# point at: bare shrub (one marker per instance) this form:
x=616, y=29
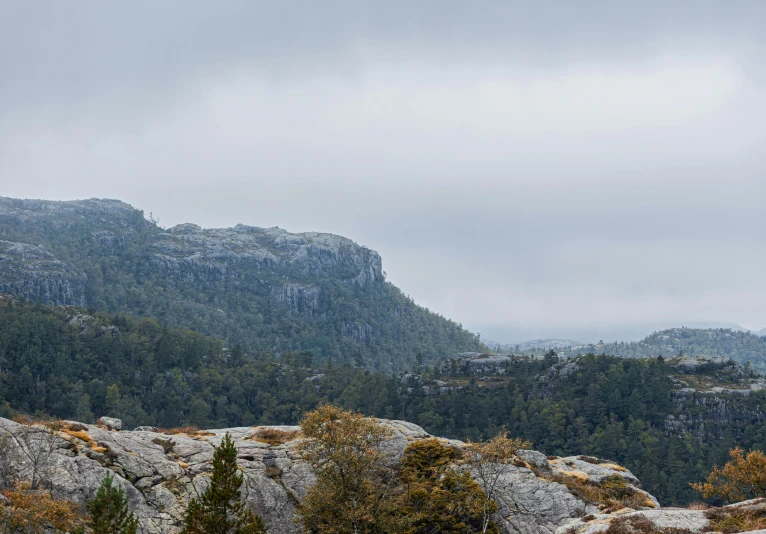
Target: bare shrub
x=489, y=462
x=36, y=444
x=9, y=460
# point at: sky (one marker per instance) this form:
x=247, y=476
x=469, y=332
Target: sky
x=588, y=170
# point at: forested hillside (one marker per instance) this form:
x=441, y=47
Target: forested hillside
x=666, y=421
x=712, y=342
x=265, y=289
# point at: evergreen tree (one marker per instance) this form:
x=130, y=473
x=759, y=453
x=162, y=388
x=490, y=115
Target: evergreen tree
x=220, y=509
x=109, y=512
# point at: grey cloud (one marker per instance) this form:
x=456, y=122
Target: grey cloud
x=75, y=50
x=526, y=168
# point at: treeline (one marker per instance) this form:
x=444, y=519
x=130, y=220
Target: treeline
x=55, y=362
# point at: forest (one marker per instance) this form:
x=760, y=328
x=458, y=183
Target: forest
x=738, y=345
x=62, y=363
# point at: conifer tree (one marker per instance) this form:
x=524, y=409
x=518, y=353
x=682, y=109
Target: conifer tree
x=109, y=512
x=220, y=509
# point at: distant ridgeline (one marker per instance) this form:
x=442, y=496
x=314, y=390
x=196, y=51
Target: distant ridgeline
x=267, y=290
x=711, y=343
x=668, y=420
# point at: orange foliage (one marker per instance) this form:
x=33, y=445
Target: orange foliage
x=31, y=511
x=744, y=477
x=80, y=434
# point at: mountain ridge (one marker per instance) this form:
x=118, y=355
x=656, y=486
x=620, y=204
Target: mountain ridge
x=266, y=289
x=739, y=345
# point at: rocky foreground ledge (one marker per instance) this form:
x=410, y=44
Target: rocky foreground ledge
x=161, y=471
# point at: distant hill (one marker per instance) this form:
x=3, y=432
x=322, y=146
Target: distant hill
x=535, y=344
x=740, y=346
x=263, y=288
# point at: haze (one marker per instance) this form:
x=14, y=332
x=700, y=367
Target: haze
x=530, y=169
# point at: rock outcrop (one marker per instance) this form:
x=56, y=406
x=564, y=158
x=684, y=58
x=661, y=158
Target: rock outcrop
x=299, y=298
x=160, y=472
x=32, y=272
x=191, y=253
x=477, y=363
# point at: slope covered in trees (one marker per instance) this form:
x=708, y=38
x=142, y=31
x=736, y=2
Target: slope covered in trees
x=711, y=342
x=58, y=362
x=265, y=289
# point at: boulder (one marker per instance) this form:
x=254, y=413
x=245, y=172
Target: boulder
x=110, y=423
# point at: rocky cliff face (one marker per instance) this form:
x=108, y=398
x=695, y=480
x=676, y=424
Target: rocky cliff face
x=34, y=273
x=709, y=415
x=160, y=472
x=190, y=252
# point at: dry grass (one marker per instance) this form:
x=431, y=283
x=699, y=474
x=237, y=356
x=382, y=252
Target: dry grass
x=274, y=436
x=185, y=430
x=602, y=463
x=614, y=467
x=738, y=518
x=50, y=424
x=698, y=506
x=81, y=435
x=108, y=452
x=612, y=494
x=638, y=524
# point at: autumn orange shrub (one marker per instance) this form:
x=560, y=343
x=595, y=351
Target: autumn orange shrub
x=743, y=477
x=33, y=511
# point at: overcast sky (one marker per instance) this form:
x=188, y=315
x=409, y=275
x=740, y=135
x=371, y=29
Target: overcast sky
x=530, y=169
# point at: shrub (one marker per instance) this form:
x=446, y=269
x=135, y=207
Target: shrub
x=350, y=492
x=437, y=496
x=220, y=509
x=32, y=511
x=738, y=518
x=744, y=477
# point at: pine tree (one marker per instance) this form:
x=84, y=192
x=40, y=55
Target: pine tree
x=109, y=512
x=220, y=510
